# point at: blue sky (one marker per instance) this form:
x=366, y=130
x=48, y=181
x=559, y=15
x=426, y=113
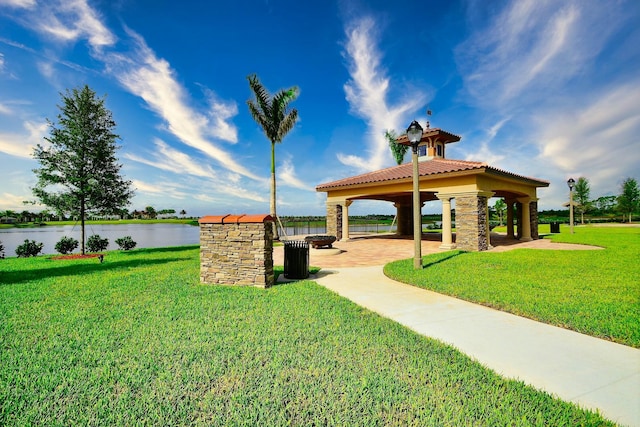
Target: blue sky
x=548, y=89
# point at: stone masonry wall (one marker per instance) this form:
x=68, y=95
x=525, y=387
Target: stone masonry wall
x=334, y=220
x=533, y=216
x=471, y=223
x=237, y=250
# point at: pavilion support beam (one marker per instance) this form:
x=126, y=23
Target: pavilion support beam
x=345, y=219
x=526, y=219
x=447, y=237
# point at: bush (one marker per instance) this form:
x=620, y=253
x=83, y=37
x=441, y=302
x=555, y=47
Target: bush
x=96, y=244
x=29, y=248
x=126, y=243
x=66, y=245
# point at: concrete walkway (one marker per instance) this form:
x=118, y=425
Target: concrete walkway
x=591, y=372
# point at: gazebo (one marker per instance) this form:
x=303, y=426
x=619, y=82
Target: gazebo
x=470, y=184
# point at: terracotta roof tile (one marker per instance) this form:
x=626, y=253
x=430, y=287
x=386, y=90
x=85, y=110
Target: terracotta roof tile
x=426, y=168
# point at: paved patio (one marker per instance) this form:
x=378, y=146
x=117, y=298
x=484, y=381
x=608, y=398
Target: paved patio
x=379, y=249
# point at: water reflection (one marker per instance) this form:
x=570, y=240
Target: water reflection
x=145, y=235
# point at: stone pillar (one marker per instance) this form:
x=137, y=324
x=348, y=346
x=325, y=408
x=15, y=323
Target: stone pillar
x=526, y=219
x=533, y=215
x=471, y=221
x=510, y=232
x=345, y=219
x=447, y=240
x=405, y=218
x=237, y=250
x=334, y=220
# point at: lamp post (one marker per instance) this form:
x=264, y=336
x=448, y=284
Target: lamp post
x=414, y=134
x=571, y=183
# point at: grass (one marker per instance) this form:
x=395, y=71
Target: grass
x=594, y=292
x=138, y=341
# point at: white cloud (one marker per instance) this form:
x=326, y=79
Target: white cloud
x=367, y=93
x=530, y=49
x=287, y=176
x=153, y=80
x=66, y=20
x=14, y=202
x=599, y=139
x=167, y=158
x=21, y=145
x=23, y=4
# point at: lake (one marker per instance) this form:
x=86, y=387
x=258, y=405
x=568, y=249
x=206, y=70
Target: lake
x=145, y=235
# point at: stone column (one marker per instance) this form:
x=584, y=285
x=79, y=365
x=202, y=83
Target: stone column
x=447, y=240
x=471, y=221
x=533, y=214
x=526, y=219
x=334, y=220
x=345, y=219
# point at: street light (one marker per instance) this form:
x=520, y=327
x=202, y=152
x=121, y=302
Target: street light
x=414, y=134
x=571, y=183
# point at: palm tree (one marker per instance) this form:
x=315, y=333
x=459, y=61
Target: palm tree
x=398, y=150
x=272, y=113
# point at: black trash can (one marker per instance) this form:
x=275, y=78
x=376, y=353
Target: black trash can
x=555, y=227
x=296, y=259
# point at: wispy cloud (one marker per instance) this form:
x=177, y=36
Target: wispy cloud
x=287, y=176
x=13, y=202
x=151, y=78
x=367, y=92
x=23, y=4
x=65, y=21
x=596, y=140
x=21, y=145
x=169, y=159
x=530, y=48
x=537, y=68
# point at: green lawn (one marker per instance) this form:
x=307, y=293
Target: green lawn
x=138, y=341
x=593, y=292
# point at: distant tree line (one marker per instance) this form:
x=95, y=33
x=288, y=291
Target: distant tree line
x=149, y=212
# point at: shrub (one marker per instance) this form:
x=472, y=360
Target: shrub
x=126, y=243
x=29, y=248
x=66, y=245
x=96, y=244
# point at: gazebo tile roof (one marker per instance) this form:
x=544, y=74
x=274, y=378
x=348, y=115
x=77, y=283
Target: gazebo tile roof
x=426, y=168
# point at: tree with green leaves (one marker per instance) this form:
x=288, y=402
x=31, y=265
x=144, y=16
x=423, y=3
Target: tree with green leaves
x=397, y=150
x=500, y=206
x=79, y=173
x=581, y=197
x=276, y=119
x=629, y=198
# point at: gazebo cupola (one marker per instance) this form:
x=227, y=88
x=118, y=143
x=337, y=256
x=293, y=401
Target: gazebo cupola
x=432, y=144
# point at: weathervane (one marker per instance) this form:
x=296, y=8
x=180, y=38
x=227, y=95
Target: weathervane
x=428, y=115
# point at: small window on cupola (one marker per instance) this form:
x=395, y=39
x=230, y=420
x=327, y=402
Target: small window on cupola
x=439, y=150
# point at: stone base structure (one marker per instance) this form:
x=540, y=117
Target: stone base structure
x=472, y=223
x=237, y=250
